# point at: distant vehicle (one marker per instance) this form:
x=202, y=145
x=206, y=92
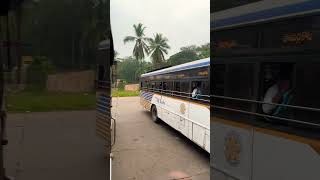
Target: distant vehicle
x=265, y=106
x=179, y=96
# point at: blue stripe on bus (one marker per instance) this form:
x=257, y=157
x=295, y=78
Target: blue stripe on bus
x=192, y=66
x=147, y=95
x=269, y=13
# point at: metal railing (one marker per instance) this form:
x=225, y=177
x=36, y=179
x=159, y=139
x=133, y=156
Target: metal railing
x=205, y=98
x=266, y=115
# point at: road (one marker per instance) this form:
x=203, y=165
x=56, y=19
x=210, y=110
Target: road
x=55, y=145
x=145, y=150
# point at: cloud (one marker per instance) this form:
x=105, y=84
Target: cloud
x=183, y=22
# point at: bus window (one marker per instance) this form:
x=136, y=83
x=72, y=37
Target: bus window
x=177, y=86
x=164, y=86
x=184, y=88
x=153, y=85
x=240, y=84
x=277, y=88
x=158, y=86
x=196, y=90
x=218, y=85
x=205, y=87
x=168, y=87
x=307, y=92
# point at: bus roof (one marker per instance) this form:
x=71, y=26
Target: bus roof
x=181, y=67
x=262, y=11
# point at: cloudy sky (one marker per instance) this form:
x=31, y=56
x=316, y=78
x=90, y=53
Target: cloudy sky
x=183, y=22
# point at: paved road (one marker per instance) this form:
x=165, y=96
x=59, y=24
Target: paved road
x=148, y=151
x=55, y=146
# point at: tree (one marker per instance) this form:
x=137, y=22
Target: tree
x=158, y=47
x=204, y=51
x=140, y=48
x=190, y=53
x=130, y=70
x=67, y=32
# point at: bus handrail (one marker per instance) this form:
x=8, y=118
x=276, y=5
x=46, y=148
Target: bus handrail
x=268, y=116
x=204, y=95
x=270, y=103
x=177, y=95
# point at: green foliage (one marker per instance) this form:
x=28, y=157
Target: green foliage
x=190, y=53
x=121, y=85
x=122, y=93
x=204, y=51
x=184, y=56
x=38, y=71
x=67, y=32
x=130, y=69
x=140, y=48
x=158, y=47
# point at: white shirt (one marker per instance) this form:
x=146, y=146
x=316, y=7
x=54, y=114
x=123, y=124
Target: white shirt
x=270, y=94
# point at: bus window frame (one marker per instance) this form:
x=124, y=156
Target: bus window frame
x=301, y=130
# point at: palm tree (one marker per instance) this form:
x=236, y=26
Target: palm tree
x=158, y=47
x=140, y=48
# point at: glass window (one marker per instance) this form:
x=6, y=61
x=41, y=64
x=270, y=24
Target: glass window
x=200, y=89
x=218, y=83
x=240, y=84
x=168, y=86
x=307, y=92
x=177, y=86
x=277, y=87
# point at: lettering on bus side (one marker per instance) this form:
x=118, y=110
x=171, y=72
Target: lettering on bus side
x=297, y=38
x=160, y=101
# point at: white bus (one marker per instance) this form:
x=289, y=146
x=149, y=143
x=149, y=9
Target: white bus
x=179, y=96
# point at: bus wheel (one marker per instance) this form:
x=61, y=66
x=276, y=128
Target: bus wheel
x=154, y=114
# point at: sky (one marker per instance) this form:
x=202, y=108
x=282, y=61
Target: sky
x=183, y=22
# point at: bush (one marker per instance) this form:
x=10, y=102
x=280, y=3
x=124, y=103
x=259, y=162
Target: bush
x=38, y=71
x=121, y=85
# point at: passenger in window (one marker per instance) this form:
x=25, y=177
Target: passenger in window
x=196, y=92
x=278, y=93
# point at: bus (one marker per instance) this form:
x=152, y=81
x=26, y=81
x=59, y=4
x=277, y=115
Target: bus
x=179, y=96
x=265, y=91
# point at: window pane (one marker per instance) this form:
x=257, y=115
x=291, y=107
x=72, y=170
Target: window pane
x=240, y=84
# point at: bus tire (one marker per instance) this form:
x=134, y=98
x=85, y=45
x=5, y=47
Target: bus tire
x=154, y=114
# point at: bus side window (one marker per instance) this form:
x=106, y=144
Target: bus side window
x=153, y=86
x=307, y=92
x=240, y=84
x=277, y=88
x=164, y=86
x=167, y=87
x=184, y=88
x=217, y=78
x=176, y=88
x=158, y=86
x=205, y=89
x=196, y=89
x=170, y=86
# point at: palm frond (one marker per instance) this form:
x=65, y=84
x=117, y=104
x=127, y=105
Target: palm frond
x=129, y=39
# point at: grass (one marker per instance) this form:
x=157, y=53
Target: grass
x=33, y=101
x=42, y=101
x=122, y=93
